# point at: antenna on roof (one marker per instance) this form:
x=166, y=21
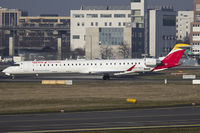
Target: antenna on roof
x=81, y=4
x=107, y=5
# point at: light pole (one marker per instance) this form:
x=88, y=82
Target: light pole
x=91, y=47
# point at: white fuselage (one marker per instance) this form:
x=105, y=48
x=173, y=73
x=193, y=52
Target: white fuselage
x=80, y=66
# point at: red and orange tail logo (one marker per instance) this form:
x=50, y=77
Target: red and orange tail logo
x=173, y=58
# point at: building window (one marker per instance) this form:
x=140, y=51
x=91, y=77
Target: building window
x=197, y=7
x=96, y=23
x=92, y=15
x=83, y=24
x=22, y=20
x=124, y=24
x=106, y=15
x=50, y=20
x=169, y=20
x=78, y=15
x=138, y=19
x=35, y=20
x=64, y=20
x=110, y=24
x=92, y=24
x=119, y=15
x=76, y=37
x=119, y=24
x=111, y=36
x=136, y=12
x=105, y=23
x=78, y=24
x=197, y=17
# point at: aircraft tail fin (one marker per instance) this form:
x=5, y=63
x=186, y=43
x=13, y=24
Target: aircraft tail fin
x=173, y=58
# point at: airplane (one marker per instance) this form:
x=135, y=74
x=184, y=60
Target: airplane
x=106, y=68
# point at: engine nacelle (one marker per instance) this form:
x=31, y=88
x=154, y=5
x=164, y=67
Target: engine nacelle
x=152, y=62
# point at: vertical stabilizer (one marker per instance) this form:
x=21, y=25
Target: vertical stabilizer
x=173, y=58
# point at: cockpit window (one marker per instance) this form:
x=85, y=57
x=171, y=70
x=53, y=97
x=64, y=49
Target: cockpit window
x=15, y=65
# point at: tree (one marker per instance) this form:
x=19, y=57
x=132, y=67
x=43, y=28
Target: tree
x=106, y=52
x=78, y=53
x=124, y=50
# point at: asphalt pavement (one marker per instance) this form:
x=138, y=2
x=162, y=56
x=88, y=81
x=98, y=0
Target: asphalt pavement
x=102, y=120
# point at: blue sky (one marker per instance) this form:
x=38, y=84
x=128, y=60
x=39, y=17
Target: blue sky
x=62, y=7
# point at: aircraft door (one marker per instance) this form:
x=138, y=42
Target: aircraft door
x=25, y=67
x=21, y=66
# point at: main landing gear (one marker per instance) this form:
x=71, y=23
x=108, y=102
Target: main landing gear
x=12, y=77
x=106, y=77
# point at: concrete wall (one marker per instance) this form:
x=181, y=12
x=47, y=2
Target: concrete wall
x=94, y=50
x=85, y=22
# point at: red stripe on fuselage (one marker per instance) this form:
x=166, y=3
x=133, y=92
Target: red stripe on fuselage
x=130, y=69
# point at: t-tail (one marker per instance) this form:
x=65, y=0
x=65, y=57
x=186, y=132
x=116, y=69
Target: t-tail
x=173, y=58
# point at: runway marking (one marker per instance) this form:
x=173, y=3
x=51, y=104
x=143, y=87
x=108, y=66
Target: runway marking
x=114, y=128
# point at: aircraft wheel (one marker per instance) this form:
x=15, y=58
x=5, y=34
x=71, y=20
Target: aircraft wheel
x=106, y=77
x=12, y=77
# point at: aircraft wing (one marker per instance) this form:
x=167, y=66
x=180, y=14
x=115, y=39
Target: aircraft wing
x=117, y=73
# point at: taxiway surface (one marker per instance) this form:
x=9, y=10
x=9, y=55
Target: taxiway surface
x=102, y=120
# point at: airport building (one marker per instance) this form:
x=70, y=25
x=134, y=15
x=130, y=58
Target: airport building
x=183, y=20
x=195, y=30
x=46, y=36
x=98, y=17
x=141, y=10
x=9, y=17
x=136, y=18
x=42, y=34
x=162, y=31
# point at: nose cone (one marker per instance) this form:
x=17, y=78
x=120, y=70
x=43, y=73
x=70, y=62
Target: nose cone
x=6, y=71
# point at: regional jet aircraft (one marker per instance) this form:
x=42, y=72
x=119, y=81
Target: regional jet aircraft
x=106, y=68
